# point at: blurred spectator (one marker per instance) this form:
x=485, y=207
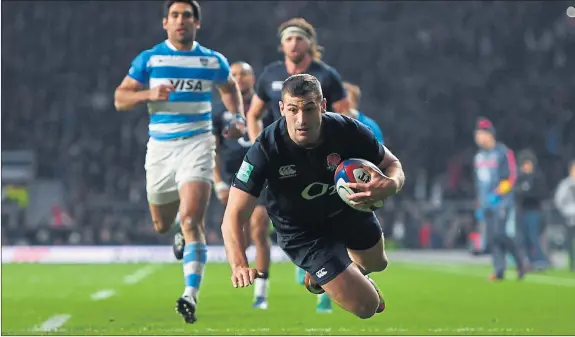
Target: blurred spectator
x=565, y=202
x=531, y=191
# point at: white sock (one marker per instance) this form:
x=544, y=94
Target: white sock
x=190, y=293
x=261, y=287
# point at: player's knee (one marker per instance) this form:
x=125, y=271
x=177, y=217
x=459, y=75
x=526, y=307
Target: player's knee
x=366, y=309
x=380, y=264
x=192, y=224
x=374, y=265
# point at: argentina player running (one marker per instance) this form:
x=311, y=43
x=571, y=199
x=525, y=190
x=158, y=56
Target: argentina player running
x=335, y=244
x=179, y=164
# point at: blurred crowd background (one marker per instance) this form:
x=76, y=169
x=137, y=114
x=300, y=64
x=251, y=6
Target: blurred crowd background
x=72, y=167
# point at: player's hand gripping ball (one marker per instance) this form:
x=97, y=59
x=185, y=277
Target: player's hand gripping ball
x=355, y=171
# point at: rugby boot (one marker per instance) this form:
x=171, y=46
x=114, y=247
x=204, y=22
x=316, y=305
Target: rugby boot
x=186, y=306
x=260, y=303
x=496, y=277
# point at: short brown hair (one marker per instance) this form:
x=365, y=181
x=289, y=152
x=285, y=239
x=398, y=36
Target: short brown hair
x=301, y=23
x=352, y=90
x=302, y=84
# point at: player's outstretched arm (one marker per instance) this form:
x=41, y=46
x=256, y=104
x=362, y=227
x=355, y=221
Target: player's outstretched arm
x=254, y=118
x=128, y=94
x=238, y=210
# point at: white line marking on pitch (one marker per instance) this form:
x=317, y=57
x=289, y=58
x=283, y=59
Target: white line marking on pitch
x=53, y=323
x=531, y=278
x=139, y=274
x=102, y=294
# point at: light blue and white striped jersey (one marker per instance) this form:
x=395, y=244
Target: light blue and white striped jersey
x=188, y=112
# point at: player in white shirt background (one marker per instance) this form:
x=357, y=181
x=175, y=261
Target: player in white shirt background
x=180, y=74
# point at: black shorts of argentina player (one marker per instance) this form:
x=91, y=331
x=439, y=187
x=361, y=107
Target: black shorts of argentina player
x=297, y=155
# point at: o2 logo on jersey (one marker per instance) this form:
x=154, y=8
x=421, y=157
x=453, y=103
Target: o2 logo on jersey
x=316, y=190
x=190, y=85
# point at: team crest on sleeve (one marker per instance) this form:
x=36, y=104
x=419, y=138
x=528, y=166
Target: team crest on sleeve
x=245, y=172
x=333, y=160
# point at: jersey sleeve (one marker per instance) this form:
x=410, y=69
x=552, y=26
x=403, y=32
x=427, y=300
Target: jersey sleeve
x=261, y=85
x=139, y=69
x=251, y=176
x=334, y=91
x=223, y=73
x=364, y=143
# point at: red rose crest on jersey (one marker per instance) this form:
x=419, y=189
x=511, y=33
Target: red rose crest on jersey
x=332, y=161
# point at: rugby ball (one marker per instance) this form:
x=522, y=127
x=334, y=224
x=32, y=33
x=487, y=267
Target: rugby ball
x=353, y=171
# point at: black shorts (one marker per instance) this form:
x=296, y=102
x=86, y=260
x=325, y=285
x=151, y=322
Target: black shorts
x=321, y=250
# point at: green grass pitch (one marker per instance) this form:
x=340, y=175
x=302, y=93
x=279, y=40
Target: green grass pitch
x=421, y=299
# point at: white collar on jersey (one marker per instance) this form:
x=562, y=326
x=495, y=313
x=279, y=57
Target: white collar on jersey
x=171, y=46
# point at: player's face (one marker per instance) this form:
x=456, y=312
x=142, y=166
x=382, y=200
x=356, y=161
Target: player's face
x=303, y=117
x=572, y=171
x=244, y=77
x=180, y=24
x=527, y=166
x=295, y=48
x=483, y=138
